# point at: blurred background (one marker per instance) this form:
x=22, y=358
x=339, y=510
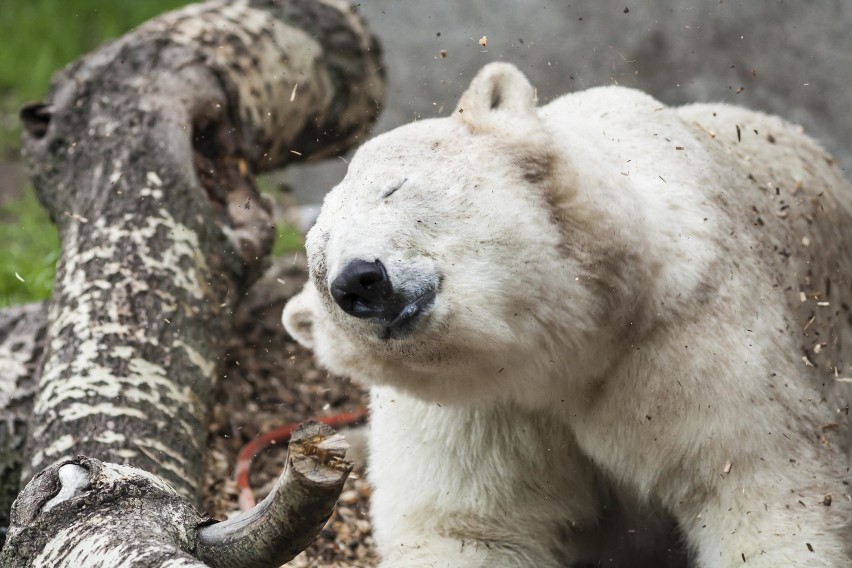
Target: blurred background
x=786, y=57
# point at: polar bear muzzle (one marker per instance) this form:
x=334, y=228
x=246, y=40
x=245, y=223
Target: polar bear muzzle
x=364, y=290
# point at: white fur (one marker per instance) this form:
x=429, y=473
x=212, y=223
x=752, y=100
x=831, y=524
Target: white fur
x=618, y=339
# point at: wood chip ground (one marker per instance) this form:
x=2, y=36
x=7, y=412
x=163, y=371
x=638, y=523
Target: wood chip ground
x=270, y=381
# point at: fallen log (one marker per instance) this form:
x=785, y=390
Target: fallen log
x=144, y=153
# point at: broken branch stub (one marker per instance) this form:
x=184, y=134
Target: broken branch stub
x=144, y=153
x=294, y=512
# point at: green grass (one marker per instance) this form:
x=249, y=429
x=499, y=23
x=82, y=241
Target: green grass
x=287, y=240
x=38, y=37
x=30, y=249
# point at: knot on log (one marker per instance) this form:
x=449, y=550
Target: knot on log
x=82, y=505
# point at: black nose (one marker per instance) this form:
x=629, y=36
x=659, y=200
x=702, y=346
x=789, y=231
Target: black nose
x=363, y=289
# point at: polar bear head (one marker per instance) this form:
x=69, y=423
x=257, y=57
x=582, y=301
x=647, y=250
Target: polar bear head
x=458, y=259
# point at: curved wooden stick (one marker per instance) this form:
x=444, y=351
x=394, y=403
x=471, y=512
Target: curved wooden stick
x=294, y=512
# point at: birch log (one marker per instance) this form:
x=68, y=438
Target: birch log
x=144, y=154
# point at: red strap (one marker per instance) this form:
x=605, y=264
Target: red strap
x=279, y=435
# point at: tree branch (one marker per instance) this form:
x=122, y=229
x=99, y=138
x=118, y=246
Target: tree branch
x=144, y=154
x=292, y=515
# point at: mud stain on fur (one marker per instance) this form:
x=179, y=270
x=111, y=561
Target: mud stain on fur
x=536, y=168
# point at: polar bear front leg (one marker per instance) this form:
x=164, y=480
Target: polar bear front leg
x=470, y=487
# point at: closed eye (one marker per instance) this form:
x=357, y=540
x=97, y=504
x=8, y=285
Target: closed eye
x=392, y=189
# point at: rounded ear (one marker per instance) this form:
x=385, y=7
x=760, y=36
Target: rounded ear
x=498, y=89
x=298, y=316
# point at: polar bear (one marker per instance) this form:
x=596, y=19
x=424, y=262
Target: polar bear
x=601, y=332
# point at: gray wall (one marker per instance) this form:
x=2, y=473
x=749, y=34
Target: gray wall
x=791, y=57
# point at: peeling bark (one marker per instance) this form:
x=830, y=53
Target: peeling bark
x=144, y=154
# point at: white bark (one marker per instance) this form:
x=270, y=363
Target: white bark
x=144, y=153
x=84, y=513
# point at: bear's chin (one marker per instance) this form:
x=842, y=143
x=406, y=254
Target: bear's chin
x=418, y=368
